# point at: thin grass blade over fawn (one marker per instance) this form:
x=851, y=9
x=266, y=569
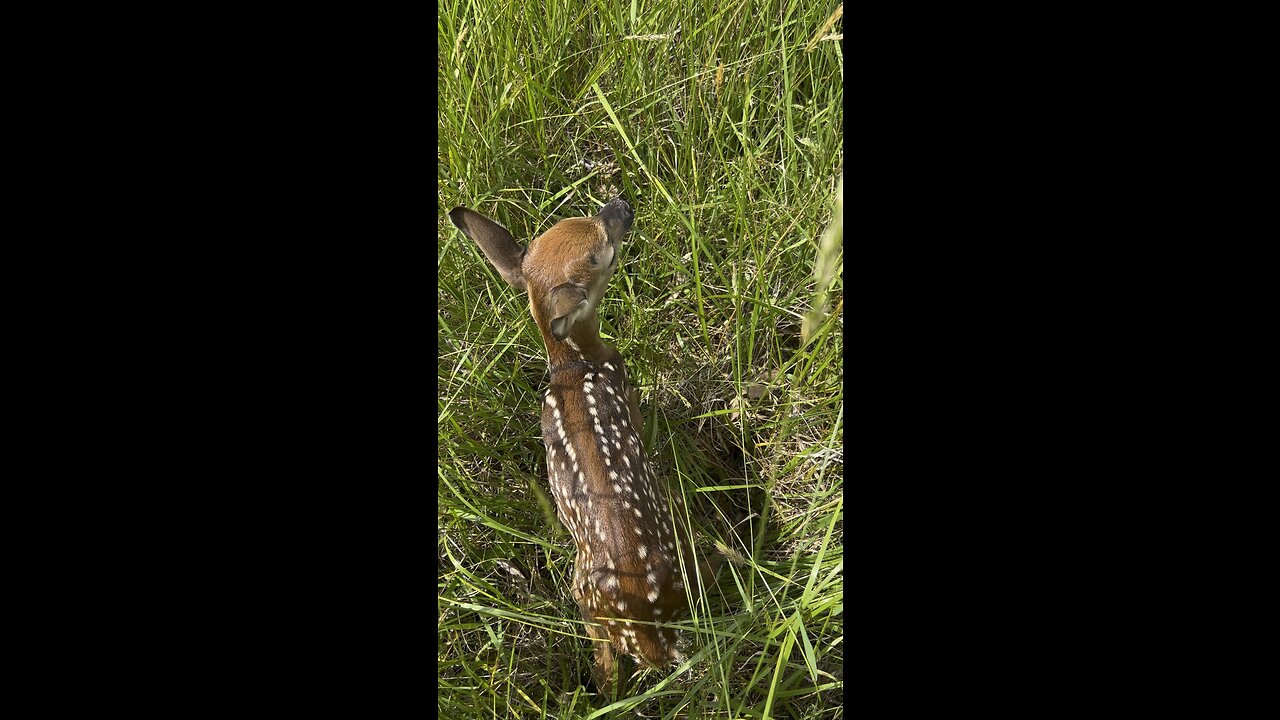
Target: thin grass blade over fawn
x=628, y=577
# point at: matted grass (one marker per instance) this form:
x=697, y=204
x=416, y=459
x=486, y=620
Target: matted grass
x=721, y=125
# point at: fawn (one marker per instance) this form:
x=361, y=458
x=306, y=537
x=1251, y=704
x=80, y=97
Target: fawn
x=630, y=543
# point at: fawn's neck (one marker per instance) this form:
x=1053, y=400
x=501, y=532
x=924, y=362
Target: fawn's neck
x=582, y=346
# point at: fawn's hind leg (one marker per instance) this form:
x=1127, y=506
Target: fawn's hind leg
x=603, y=667
x=633, y=404
x=709, y=566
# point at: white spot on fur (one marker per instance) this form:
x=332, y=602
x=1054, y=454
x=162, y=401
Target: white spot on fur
x=652, y=596
x=642, y=550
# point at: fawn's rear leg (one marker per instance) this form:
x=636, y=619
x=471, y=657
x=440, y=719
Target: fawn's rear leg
x=710, y=565
x=602, y=670
x=633, y=404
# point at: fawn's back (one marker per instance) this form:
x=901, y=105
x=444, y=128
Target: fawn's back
x=616, y=510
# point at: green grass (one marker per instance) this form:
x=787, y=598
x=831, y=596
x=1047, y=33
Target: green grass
x=724, y=133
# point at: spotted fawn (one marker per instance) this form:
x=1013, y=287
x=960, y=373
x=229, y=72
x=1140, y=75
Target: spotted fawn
x=629, y=576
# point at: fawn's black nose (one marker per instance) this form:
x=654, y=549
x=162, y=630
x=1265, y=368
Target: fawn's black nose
x=617, y=209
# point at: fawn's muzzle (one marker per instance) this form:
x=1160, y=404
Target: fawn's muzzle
x=617, y=211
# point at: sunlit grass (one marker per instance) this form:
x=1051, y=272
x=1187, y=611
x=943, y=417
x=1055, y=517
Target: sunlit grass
x=725, y=135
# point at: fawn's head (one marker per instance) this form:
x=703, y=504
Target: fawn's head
x=565, y=270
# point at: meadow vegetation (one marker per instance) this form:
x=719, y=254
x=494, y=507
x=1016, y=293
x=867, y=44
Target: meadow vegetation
x=721, y=124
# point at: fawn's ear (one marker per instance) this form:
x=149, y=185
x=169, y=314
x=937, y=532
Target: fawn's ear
x=503, y=251
x=568, y=303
